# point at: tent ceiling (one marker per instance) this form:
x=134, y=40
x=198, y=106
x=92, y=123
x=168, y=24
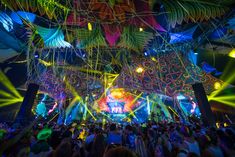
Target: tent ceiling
x=160, y=22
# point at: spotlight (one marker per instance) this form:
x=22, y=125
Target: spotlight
x=141, y=29
x=36, y=55
x=153, y=59
x=139, y=70
x=180, y=97
x=145, y=53
x=196, y=53
x=89, y=26
x=217, y=85
x=232, y=53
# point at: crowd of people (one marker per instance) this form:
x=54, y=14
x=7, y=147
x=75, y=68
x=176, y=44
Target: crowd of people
x=117, y=140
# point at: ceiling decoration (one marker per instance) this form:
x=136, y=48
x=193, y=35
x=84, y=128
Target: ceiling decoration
x=194, y=10
x=48, y=8
x=22, y=15
x=6, y=21
x=106, y=34
x=133, y=39
x=170, y=74
x=89, y=39
x=70, y=83
x=53, y=37
x=184, y=36
x=110, y=23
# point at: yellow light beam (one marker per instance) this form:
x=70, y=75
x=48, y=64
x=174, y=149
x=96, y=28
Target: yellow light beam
x=230, y=79
x=5, y=94
x=173, y=111
x=10, y=100
x=90, y=71
x=73, y=91
x=90, y=113
x=9, y=103
x=152, y=101
x=226, y=102
x=224, y=98
x=110, y=85
x=133, y=112
x=137, y=109
x=45, y=62
x=6, y=82
x=227, y=70
x=133, y=101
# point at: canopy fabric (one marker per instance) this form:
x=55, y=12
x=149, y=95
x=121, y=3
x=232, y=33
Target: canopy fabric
x=169, y=74
x=19, y=15
x=7, y=54
x=184, y=36
x=53, y=37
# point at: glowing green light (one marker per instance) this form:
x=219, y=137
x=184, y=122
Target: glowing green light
x=232, y=53
x=2, y=132
x=44, y=134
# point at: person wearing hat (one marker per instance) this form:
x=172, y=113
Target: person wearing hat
x=42, y=148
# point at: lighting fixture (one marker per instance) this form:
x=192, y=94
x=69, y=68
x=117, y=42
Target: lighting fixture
x=139, y=70
x=89, y=26
x=232, y=53
x=217, y=85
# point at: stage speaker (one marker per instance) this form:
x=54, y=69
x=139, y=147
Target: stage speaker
x=25, y=112
x=204, y=106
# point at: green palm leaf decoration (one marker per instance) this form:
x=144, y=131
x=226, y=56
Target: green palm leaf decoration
x=134, y=39
x=194, y=10
x=89, y=39
x=50, y=8
x=122, y=57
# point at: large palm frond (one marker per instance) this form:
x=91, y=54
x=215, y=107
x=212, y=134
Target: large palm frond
x=50, y=8
x=194, y=10
x=89, y=39
x=134, y=39
x=52, y=37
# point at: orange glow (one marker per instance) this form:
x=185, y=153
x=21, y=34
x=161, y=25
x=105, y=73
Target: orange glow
x=117, y=93
x=120, y=96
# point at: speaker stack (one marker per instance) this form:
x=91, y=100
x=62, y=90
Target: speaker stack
x=204, y=106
